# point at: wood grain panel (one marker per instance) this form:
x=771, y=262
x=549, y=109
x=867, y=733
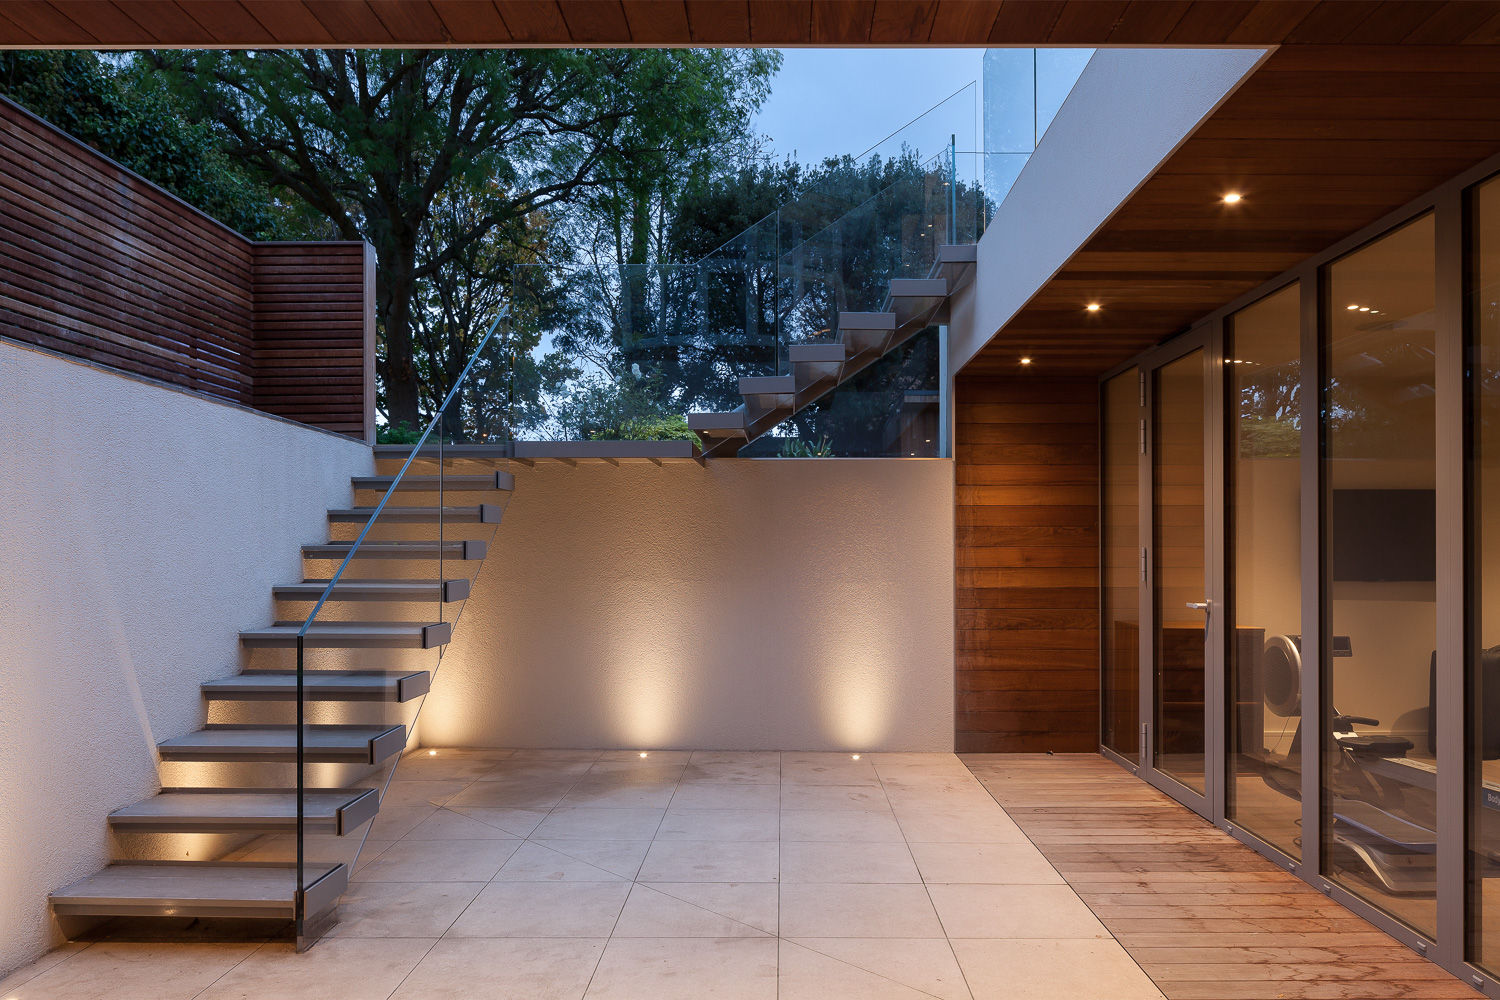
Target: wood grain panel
x=98, y=264
x=1026, y=564
x=748, y=22
x=1202, y=914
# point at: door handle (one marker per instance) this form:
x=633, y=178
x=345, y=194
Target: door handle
x=1196, y=606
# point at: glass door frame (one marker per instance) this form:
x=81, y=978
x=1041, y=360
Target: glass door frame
x=1448, y=201
x=1207, y=339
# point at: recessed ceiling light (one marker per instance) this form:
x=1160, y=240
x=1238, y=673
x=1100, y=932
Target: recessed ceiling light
x=1025, y=361
x=1364, y=309
x=1352, y=308
x=432, y=753
x=643, y=753
x=1092, y=307
x=1232, y=198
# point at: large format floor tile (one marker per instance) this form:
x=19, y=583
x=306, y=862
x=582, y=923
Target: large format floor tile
x=686, y=969
x=560, y=875
x=533, y=968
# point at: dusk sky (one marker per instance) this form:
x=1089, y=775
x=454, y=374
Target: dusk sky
x=826, y=102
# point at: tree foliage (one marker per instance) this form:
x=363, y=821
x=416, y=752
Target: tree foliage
x=444, y=160
x=127, y=115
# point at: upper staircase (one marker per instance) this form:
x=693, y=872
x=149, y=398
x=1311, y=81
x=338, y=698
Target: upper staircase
x=220, y=837
x=819, y=367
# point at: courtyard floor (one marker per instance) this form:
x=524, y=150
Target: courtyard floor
x=534, y=875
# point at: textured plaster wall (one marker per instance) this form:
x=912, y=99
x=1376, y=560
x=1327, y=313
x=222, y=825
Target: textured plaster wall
x=140, y=529
x=748, y=604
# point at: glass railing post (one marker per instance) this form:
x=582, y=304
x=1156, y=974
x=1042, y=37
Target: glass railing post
x=299, y=909
x=952, y=189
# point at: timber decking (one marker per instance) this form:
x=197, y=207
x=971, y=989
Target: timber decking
x=1206, y=917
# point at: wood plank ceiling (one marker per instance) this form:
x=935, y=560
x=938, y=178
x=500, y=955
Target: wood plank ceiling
x=242, y=23
x=1321, y=141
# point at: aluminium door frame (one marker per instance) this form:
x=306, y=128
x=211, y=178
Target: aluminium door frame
x=1448, y=202
x=1208, y=339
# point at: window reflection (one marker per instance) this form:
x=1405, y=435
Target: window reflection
x=1379, y=768
x=1263, y=373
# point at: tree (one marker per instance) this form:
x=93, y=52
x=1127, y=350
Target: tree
x=374, y=141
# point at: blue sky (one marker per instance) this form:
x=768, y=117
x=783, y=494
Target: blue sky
x=826, y=102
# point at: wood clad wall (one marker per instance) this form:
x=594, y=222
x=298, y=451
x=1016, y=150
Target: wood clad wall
x=99, y=264
x=1027, y=537
x=315, y=334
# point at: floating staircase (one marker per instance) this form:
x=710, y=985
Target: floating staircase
x=368, y=659
x=818, y=368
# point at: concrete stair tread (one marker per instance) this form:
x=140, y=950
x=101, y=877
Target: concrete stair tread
x=461, y=482
x=350, y=634
x=374, y=590
x=321, y=685
x=210, y=810
x=818, y=353
x=199, y=889
x=485, y=513
x=455, y=451
x=325, y=744
x=465, y=549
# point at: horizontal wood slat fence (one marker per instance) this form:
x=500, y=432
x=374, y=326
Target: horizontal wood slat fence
x=99, y=264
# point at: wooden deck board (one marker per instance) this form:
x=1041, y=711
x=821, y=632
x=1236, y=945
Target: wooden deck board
x=1206, y=917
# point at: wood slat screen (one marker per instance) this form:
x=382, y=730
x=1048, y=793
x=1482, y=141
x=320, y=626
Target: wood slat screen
x=1027, y=573
x=98, y=263
x=314, y=334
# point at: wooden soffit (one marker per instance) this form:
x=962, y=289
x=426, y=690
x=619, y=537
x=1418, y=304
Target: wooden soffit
x=268, y=23
x=1321, y=142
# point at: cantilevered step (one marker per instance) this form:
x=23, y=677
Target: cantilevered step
x=496, y=480
x=815, y=363
x=916, y=301
x=955, y=264
x=321, y=744
x=768, y=392
x=198, y=889
x=866, y=332
x=387, y=452
x=467, y=549
x=719, y=426
x=374, y=590
x=335, y=811
x=351, y=635
x=321, y=685
x=485, y=513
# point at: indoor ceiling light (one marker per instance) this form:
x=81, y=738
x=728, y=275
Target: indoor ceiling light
x=1232, y=198
x=1352, y=308
x=1025, y=361
x=1092, y=307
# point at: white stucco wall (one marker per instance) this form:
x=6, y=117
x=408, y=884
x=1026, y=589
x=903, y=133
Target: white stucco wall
x=1129, y=110
x=140, y=529
x=749, y=604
